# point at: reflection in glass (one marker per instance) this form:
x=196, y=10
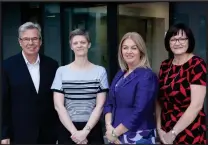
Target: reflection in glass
x=52, y=31
x=150, y=20
x=94, y=21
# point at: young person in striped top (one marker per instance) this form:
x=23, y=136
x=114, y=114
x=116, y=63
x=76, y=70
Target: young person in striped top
x=79, y=95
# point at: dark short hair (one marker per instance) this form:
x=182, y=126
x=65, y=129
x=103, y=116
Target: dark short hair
x=81, y=32
x=174, y=30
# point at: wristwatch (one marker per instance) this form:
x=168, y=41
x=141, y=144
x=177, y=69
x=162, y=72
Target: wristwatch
x=113, y=134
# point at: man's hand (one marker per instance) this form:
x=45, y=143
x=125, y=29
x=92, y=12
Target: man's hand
x=79, y=136
x=5, y=141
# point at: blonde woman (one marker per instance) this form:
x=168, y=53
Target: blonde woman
x=129, y=108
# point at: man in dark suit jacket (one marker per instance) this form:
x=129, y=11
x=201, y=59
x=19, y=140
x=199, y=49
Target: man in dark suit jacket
x=28, y=114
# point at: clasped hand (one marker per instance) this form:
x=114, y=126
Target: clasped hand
x=5, y=141
x=80, y=137
x=166, y=138
x=109, y=129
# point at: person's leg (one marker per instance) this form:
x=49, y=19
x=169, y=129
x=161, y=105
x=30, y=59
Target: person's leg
x=96, y=135
x=47, y=135
x=64, y=136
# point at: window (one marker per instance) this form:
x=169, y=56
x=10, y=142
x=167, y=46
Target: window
x=150, y=20
x=93, y=19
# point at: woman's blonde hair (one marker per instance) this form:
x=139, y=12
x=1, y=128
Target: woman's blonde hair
x=138, y=40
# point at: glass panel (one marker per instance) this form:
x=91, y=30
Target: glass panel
x=11, y=20
x=52, y=31
x=150, y=20
x=181, y=18
x=93, y=19
x=202, y=35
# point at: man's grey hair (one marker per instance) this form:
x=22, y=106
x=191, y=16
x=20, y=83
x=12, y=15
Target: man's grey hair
x=29, y=25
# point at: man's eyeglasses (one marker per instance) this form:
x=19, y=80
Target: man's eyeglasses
x=180, y=40
x=27, y=40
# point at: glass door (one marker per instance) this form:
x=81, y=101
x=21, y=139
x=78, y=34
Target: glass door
x=92, y=19
x=150, y=20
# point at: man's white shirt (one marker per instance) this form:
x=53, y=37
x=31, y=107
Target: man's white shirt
x=34, y=70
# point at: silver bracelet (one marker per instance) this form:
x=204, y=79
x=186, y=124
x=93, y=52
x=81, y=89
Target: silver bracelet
x=173, y=132
x=113, y=134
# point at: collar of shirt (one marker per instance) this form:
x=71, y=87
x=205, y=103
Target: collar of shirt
x=28, y=63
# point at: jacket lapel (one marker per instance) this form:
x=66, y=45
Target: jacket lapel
x=43, y=73
x=25, y=73
x=130, y=77
x=115, y=80
x=117, y=77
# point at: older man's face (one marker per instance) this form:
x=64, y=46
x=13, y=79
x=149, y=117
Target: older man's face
x=30, y=42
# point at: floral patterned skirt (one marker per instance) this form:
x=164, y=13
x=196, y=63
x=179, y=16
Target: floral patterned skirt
x=139, y=137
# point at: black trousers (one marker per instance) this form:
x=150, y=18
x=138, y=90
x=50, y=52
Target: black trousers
x=48, y=135
x=95, y=136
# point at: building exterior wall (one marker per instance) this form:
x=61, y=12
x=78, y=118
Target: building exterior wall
x=11, y=20
x=58, y=21
x=151, y=19
x=52, y=32
x=194, y=15
x=157, y=16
